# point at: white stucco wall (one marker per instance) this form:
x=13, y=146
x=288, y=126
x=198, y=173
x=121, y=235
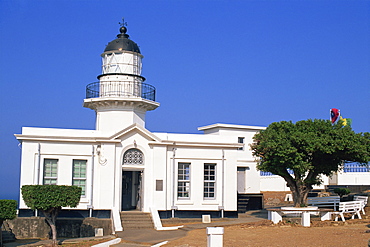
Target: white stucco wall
x=65, y=153
x=218, y=147
x=354, y=178
x=106, y=166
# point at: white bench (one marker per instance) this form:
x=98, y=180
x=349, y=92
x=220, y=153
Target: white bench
x=324, y=202
x=364, y=199
x=352, y=207
x=275, y=214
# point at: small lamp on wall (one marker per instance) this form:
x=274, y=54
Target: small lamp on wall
x=101, y=158
x=98, y=149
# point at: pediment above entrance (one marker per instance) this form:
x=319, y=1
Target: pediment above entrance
x=135, y=129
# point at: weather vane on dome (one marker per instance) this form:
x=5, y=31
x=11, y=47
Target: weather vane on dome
x=123, y=23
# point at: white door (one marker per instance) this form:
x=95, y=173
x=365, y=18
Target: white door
x=241, y=179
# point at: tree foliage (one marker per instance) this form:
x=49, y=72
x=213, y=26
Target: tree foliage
x=50, y=199
x=8, y=210
x=44, y=197
x=308, y=148
x=342, y=191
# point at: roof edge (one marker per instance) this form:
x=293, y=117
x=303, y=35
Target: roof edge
x=231, y=126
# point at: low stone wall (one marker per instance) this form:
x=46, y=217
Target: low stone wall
x=36, y=227
x=274, y=198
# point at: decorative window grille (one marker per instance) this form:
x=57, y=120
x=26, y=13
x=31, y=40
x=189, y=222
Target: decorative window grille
x=271, y=174
x=133, y=157
x=50, y=171
x=354, y=167
x=209, y=181
x=79, y=174
x=183, y=180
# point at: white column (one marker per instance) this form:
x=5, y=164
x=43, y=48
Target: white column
x=305, y=219
x=215, y=236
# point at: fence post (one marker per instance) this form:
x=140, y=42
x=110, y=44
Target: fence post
x=215, y=236
x=305, y=220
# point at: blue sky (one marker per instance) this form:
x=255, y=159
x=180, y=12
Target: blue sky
x=237, y=62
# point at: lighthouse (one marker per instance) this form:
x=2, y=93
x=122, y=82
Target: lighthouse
x=122, y=166
x=120, y=98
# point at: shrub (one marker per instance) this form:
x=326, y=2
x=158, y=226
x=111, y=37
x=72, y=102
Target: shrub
x=342, y=191
x=8, y=210
x=50, y=199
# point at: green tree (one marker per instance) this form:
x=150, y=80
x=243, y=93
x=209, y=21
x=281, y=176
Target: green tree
x=8, y=211
x=302, y=152
x=50, y=199
x=342, y=191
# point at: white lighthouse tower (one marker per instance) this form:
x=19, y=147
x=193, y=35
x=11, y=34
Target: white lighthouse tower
x=120, y=97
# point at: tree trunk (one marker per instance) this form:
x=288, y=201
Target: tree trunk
x=300, y=196
x=54, y=233
x=50, y=216
x=300, y=192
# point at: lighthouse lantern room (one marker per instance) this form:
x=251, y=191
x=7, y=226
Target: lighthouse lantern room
x=120, y=97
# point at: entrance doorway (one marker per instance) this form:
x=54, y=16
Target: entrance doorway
x=131, y=190
x=241, y=179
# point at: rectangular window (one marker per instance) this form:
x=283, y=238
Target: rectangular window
x=183, y=180
x=290, y=171
x=355, y=167
x=79, y=174
x=241, y=140
x=209, y=181
x=50, y=171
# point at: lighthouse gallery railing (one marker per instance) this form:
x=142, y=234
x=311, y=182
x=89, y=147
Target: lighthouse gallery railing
x=120, y=89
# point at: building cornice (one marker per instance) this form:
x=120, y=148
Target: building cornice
x=115, y=139
x=197, y=144
x=65, y=139
x=231, y=126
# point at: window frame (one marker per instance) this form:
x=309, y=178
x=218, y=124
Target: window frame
x=207, y=179
x=186, y=179
x=79, y=178
x=49, y=176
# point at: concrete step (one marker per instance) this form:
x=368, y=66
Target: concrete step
x=135, y=216
x=136, y=220
x=137, y=226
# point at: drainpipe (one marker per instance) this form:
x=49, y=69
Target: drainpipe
x=38, y=170
x=90, y=207
x=173, y=208
x=38, y=163
x=166, y=184
x=223, y=184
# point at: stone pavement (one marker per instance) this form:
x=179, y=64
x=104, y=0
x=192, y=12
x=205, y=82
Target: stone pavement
x=151, y=237
x=38, y=242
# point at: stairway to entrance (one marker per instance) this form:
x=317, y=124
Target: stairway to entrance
x=136, y=220
x=242, y=203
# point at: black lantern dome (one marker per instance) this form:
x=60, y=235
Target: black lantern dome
x=122, y=43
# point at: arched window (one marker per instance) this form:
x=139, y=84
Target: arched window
x=133, y=156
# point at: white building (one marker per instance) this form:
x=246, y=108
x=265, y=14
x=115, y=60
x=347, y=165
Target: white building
x=123, y=166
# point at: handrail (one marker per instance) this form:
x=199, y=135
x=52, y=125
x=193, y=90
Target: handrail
x=122, y=89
